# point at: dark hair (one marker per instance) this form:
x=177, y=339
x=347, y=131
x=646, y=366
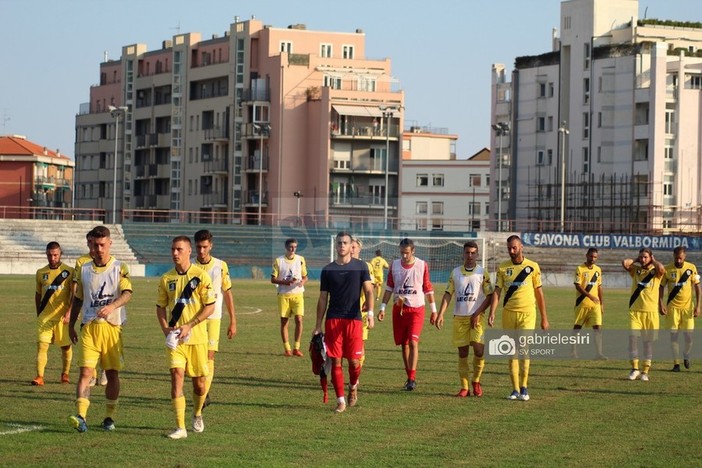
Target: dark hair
x=592, y=250
x=407, y=242
x=53, y=245
x=185, y=239
x=378, y=253
x=99, y=232
x=514, y=237
x=646, y=250
x=203, y=235
x=471, y=244
x=679, y=249
x=343, y=234
x=292, y=240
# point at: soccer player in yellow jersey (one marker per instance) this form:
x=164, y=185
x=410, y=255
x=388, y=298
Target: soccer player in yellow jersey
x=589, y=300
x=185, y=299
x=289, y=274
x=103, y=290
x=79, y=263
x=520, y=279
x=222, y=286
x=646, y=275
x=356, y=246
x=378, y=263
x=680, y=311
x=471, y=284
x=53, y=307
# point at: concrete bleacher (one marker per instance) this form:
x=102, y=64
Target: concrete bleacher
x=23, y=244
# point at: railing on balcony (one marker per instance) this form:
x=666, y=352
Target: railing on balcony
x=43, y=180
x=364, y=131
x=256, y=94
x=216, y=133
x=253, y=163
x=252, y=197
x=210, y=199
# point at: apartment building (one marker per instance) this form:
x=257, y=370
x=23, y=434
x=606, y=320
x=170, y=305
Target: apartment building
x=262, y=125
x=602, y=133
x=34, y=180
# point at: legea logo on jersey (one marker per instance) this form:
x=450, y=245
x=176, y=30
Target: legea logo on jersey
x=407, y=287
x=468, y=294
x=101, y=299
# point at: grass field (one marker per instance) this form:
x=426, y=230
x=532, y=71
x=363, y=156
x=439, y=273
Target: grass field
x=268, y=410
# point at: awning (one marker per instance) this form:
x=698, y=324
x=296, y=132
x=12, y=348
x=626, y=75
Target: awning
x=358, y=111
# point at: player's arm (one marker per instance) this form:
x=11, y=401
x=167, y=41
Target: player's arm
x=494, y=301
x=541, y=304
x=662, y=309
x=124, y=297
x=698, y=292
x=383, y=303
x=321, y=310
x=581, y=290
x=601, y=298
x=487, y=302
x=162, y=321
x=428, y=289
x=369, y=293
x=627, y=263
x=438, y=321
x=200, y=317
x=37, y=302
x=75, y=311
x=229, y=302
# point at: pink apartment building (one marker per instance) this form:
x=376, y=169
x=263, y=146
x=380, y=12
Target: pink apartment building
x=262, y=125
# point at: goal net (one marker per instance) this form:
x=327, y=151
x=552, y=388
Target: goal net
x=443, y=254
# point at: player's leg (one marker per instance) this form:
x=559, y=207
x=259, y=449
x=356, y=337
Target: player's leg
x=353, y=353
x=635, y=327
x=213, y=332
x=509, y=322
x=687, y=324
x=334, y=342
x=111, y=363
x=63, y=340
x=477, y=341
x=461, y=340
x=285, y=313
x=298, y=334
x=89, y=357
x=672, y=322
x=44, y=338
x=177, y=397
x=198, y=369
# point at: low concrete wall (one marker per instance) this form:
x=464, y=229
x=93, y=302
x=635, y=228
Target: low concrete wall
x=18, y=267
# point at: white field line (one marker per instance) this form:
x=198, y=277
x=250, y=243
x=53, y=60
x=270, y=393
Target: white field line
x=19, y=428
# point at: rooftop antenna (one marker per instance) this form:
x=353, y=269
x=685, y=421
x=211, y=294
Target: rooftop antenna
x=104, y=56
x=5, y=119
x=177, y=28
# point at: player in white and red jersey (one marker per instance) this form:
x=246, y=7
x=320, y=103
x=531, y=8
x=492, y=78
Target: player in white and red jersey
x=409, y=281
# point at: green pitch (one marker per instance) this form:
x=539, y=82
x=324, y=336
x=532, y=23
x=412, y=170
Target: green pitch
x=267, y=409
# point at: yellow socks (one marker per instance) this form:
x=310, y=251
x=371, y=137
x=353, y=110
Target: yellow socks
x=82, y=405
x=478, y=366
x=42, y=357
x=525, y=373
x=67, y=357
x=514, y=373
x=463, y=371
x=635, y=364
x=179, y=407
x=198, y=401
x=646, y=366
x=210, y=376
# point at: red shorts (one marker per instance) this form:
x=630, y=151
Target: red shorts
x=407, y=323
x=344, y=338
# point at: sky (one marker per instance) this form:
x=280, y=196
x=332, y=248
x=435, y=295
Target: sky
x=441, y=52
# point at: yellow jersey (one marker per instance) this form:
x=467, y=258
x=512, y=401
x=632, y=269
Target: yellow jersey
x=377, y=265
x=518, y=283
x=54, y=292
x=221, y=282
x=680, y=282
x=590, y=279
x=644, y=289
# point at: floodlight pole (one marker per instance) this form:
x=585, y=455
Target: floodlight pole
x=563, y=131
x=501, y=129
x=116, y=112
x=387, y=115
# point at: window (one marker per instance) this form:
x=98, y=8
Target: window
x=437, y=225
x=377, y=194
x=586, y=125
x=438, y=180
x=421, y=208
x=437, y=208
x=342, y=160
x=474, y=180
x=586, y=160
x=286, y=46
x=332, y=82
x=421, y=225
x=347, y=52
x=550, y=123
x=549, y=157
x=551, y=90
x=541, y=124
x=377, y=155
x=667, y=189
x=422, y=180
x=474, y=209
x=586, y=65
x=668, y=152
x=586, y=90
x=695, y=82
x=542, y=89
x=366, y=84
x=325, y=50
x=540, y=158
x=669, y=121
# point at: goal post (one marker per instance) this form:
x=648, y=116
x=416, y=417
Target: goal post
x=443, y=254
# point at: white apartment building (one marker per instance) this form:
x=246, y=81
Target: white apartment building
x=604, y=130
x=439, y=192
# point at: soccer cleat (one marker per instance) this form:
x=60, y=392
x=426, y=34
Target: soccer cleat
x=179, y=433
x=108, y=424
x=340, y=407
x=65, y=379
x=198, y=424
x=297, y=352
x=410, y=385
x=523, y=394
x=78, y=423
x=103, y=378
x=513, y=396
x=634, y=374
x=38, y=380
x=93, y=381
x=686, y=363
x=462, y=393
x=207, y=402
x=353, y=395
x=477, y=389
x=676, y=368
x=601, y=357
x=287, y=353
x=644, y=377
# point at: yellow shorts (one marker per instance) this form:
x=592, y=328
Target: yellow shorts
x=213, y=328
x=680, y=319
x=644, y=323
x=192, y=358
x=464, y=334
x=101, y=342
x=54, y=332
x=588, y=316
x=518, y=320
x=378, y=280
x=291, y=305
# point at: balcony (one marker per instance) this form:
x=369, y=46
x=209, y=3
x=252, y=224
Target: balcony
x=256, y=94
x=214, y=199
x=216, y=134
x=253, y=163
x=252, y=197
x=218, y=166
